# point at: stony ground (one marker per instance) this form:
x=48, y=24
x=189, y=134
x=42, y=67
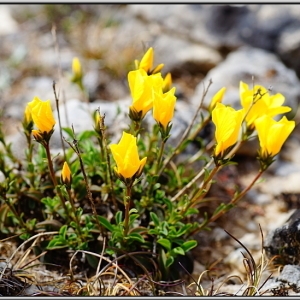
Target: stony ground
x=38, y=43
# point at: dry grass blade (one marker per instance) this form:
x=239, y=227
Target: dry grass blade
x=22, y=245
x=11, y=285
x=254, y=271
x=96, y=277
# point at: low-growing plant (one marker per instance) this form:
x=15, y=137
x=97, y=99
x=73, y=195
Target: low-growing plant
x=139, y=195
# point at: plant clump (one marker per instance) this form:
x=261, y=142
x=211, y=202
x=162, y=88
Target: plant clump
x=132, y=203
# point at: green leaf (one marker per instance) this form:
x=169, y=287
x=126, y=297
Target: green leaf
x=69, y=131
x=169, y=261
x=163, y=257
x=104, y=222
x=136, y=237
x=165, y=243
x=178, y=250
x=181, y=231
x=133, y=210
x=153, y=231
x=110, y=251
x=87, y=134
x=154, y=218
x=139, y=229
x=223, y=207
x=156, y=186
x=63, y=231
x=73, y=224
x=132, y=218
x=119, y=216
x=24, y=236
x=188, y=245
x=57, y=243
x=164, y=228
x=191, y=211
x=79, y=212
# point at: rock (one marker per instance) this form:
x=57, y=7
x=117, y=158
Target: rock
x=8, y=24
x=275, y=186
x=116, y=119
x=284, y=242
x=286, y=283
x=291, y=275
x=289, y=47
x=198, y=23
x=189, y=57
x=79, y=114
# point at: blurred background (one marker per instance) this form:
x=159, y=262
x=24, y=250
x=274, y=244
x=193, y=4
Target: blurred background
x=224, y=43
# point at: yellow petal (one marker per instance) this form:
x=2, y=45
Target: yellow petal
x=66, y=173
x=42, y=115
x=163, y=107
x=27, y=114
x=76, y=67
x=143, y=88
x=217, y=98
x=126, y=156
x=272, y=134
x=157, y=69
x=258, y=102
x=147, y=60
x=37, y=135
x=167, y=83
x=228, y=123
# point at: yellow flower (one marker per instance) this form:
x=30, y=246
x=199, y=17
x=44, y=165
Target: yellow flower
x=163, y=107
x=126, y=156
x=27, y=121
x=217, y=98
x=42, y=115
x=228, y=123
x=258, y=102
x=167, y=83
x=147, y=63
x=142, y=88
x=76, y=68
x=27, y=114
x=272, y=134
x=66, y=176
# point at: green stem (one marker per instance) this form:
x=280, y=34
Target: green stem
x=13, y=210
x=135, y=128
x=200, y=127
x=195, y=199
x=74, y=212
x=186, y=187
x=103, y=157
x=160, y=154
x=50, y=164
x=176, y=151
x=233, y=201
x=159, y=160
x=30, y=148
x=52, y=175
x=127, y=200
x=108, y=172
x=89, y=193
x=59, y=121
x=29, y=156
x=100, y=129
x=237, y=197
